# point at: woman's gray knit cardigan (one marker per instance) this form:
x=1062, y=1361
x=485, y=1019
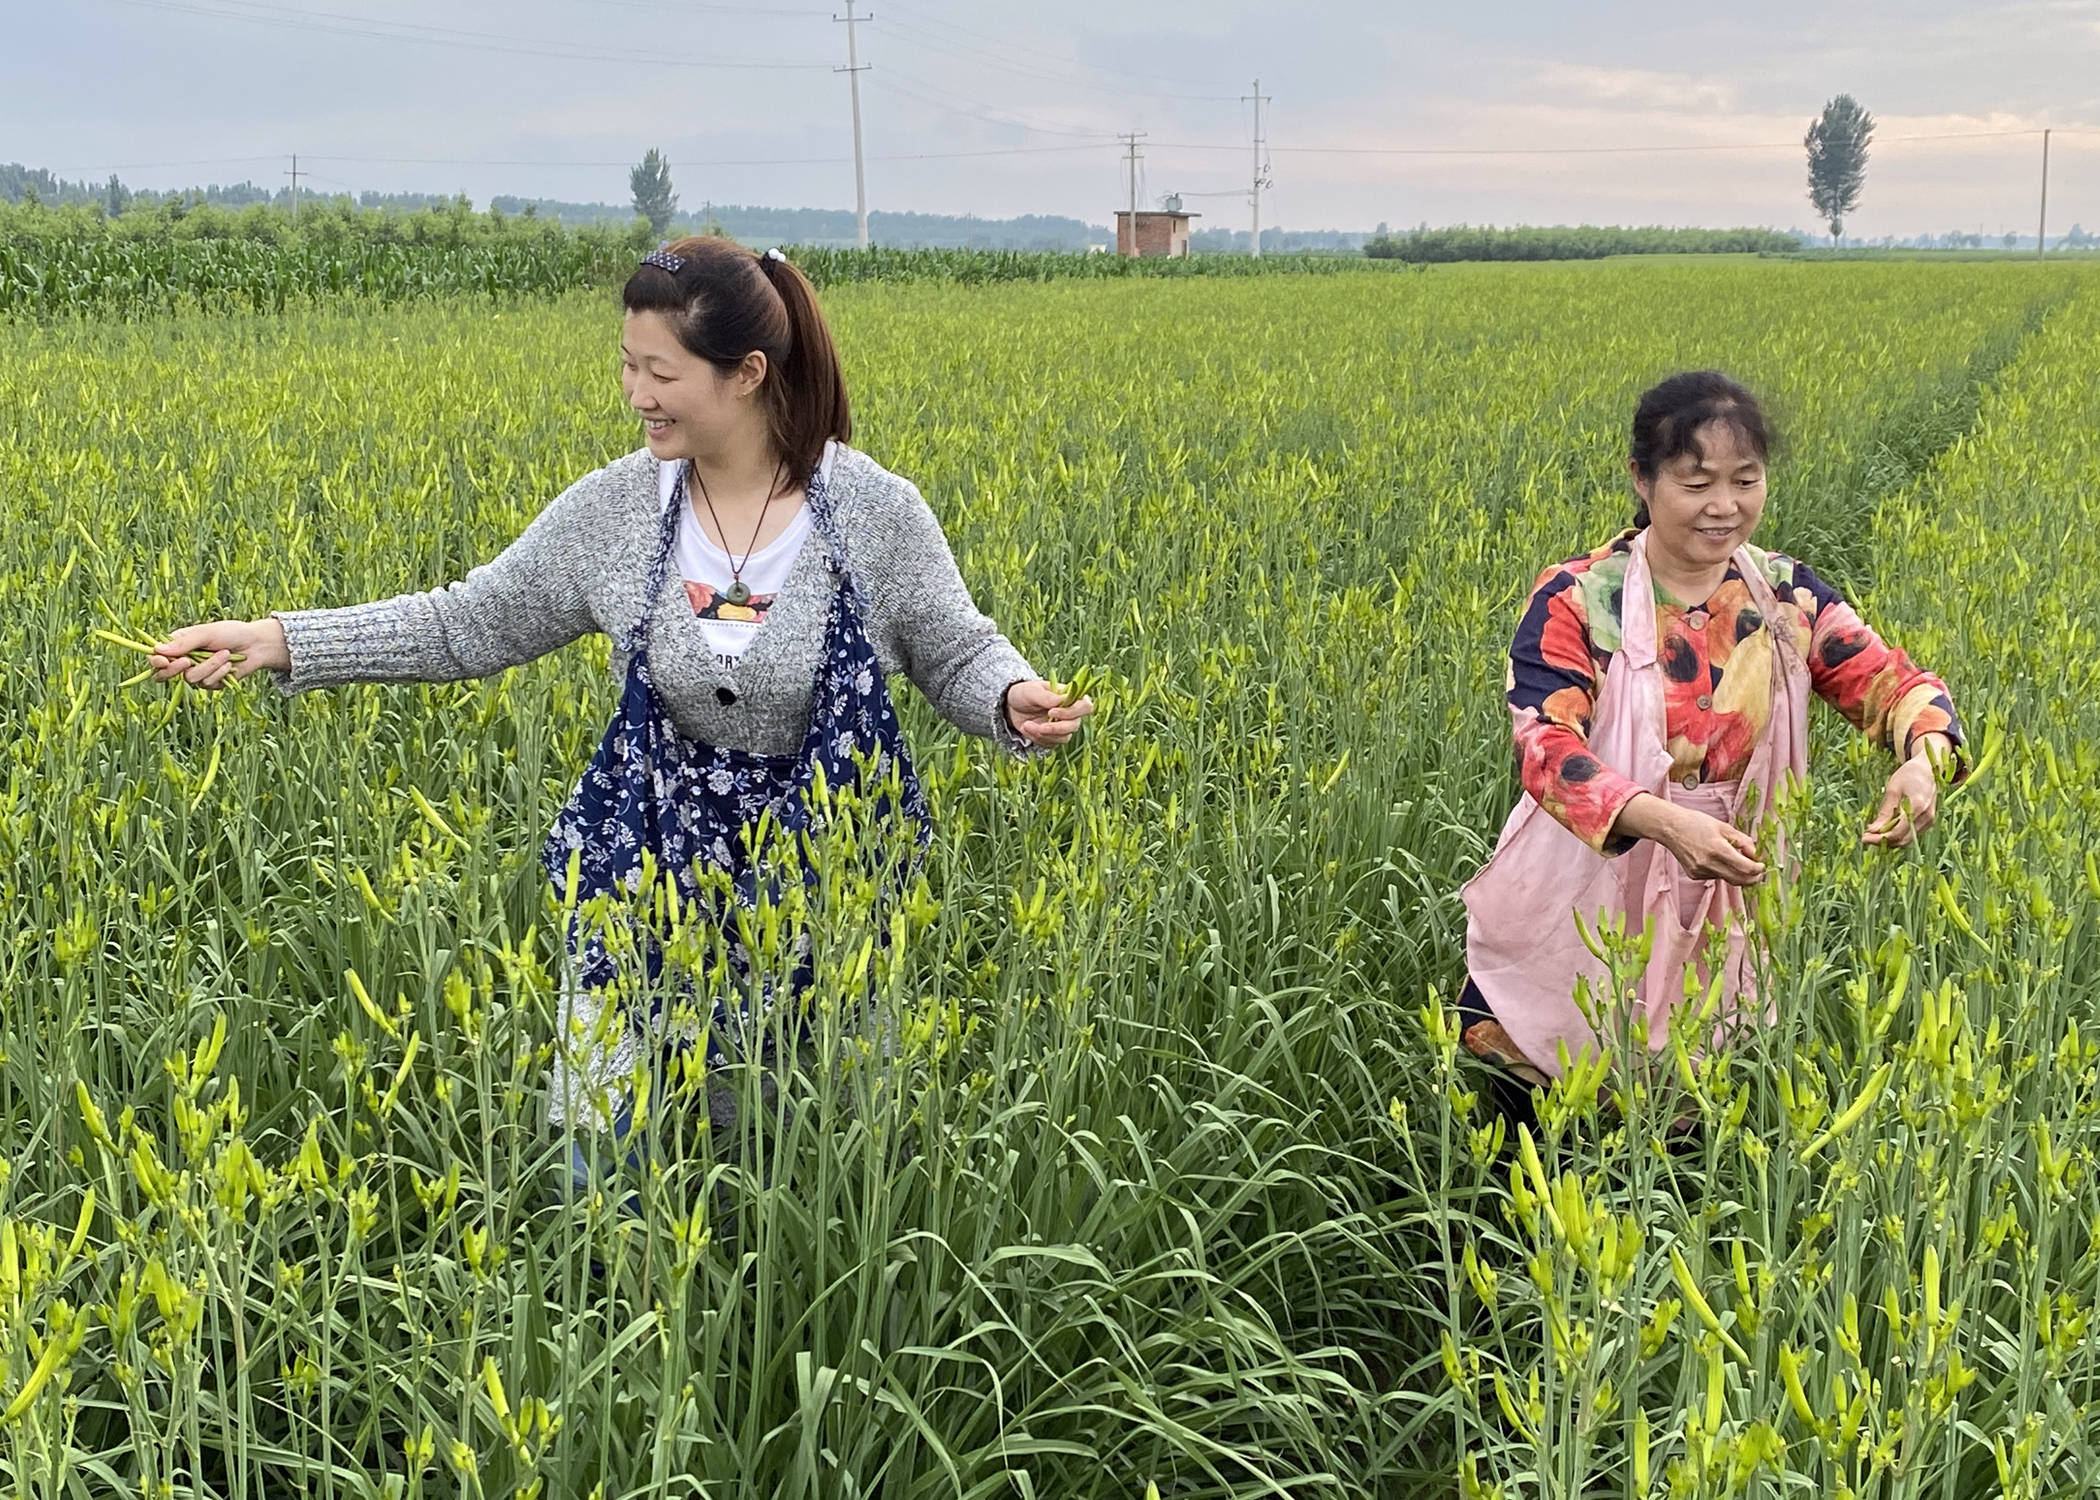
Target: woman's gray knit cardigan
x=582, y=565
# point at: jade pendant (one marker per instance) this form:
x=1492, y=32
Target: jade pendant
x=738, y=592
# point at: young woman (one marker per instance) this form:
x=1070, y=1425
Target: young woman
x=1655, y=683
x=808, y=573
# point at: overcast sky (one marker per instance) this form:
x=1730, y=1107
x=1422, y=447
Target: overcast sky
x=553, y=97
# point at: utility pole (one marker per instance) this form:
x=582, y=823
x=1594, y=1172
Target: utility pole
x=853, y=70
x=1259, y=166
x=1130, y=141
x=2041, y=233
x=294, y=174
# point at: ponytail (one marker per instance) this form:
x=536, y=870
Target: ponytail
x=805, y=395
x=723, y=302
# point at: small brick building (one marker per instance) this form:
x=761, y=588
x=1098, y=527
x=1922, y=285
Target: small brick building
x=1160, y=232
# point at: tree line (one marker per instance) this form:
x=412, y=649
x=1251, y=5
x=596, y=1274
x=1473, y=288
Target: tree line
x=1570, y=242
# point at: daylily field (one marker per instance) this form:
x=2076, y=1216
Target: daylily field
x=1163, y=1167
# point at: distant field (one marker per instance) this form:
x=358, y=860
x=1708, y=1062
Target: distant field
x=1168, y=1180
x=72, y=262
x=1877, y=252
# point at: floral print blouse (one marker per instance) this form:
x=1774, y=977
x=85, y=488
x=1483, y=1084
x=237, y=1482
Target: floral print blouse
x=1716, y=660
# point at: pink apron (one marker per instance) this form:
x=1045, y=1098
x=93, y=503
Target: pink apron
x=1522, y=946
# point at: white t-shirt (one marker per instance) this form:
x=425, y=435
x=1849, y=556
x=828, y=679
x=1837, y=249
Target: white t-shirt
x=706, y=569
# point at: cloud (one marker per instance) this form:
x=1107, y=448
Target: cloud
x=1633, y=87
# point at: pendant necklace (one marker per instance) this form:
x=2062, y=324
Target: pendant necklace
x=738, y=592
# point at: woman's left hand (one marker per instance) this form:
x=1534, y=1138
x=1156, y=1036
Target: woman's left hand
x=1910, y=803
x=1038, y=713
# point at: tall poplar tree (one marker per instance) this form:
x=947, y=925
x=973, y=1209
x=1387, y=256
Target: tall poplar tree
x=1837, y=160
x=653, y=198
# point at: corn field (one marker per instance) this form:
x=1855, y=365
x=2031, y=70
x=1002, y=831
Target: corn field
x=70, y=263
x=150, y=278
x=1150, y=1159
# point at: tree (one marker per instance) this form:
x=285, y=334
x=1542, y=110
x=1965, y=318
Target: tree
x=653, y=198
x=1837, y=160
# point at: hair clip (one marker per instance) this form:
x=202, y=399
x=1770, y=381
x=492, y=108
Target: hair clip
x=664, y=260
x=773, y=254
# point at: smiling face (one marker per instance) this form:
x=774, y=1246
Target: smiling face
x=688, y=407
x=1704, y=504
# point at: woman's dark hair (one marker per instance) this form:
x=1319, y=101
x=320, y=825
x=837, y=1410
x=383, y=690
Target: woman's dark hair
x=726, y=301
x=1668, y=421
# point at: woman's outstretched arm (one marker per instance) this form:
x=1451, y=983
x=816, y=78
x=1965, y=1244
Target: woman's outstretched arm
x=530, y=600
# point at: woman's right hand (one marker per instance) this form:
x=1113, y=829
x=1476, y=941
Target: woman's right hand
x=1706, y=847
x=259, y=644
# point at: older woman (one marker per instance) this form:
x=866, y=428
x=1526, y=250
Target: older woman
x=1660, y=690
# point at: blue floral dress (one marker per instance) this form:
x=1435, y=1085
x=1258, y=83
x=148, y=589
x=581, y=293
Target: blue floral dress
x=651, y=795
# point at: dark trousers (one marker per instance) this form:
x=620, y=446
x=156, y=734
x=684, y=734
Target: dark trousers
x=1510, y=1094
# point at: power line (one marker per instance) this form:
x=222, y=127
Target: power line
x=926, y=93
x=948, y=103
x=744, y=11
x=479, y=161
x=930, y=93
x=90, y=169
x=1959, y=135
x=777, y=161
x=984, y=57
x=151, y=166
x=337, y=24
x=1006, y=151
x=1002, y=43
